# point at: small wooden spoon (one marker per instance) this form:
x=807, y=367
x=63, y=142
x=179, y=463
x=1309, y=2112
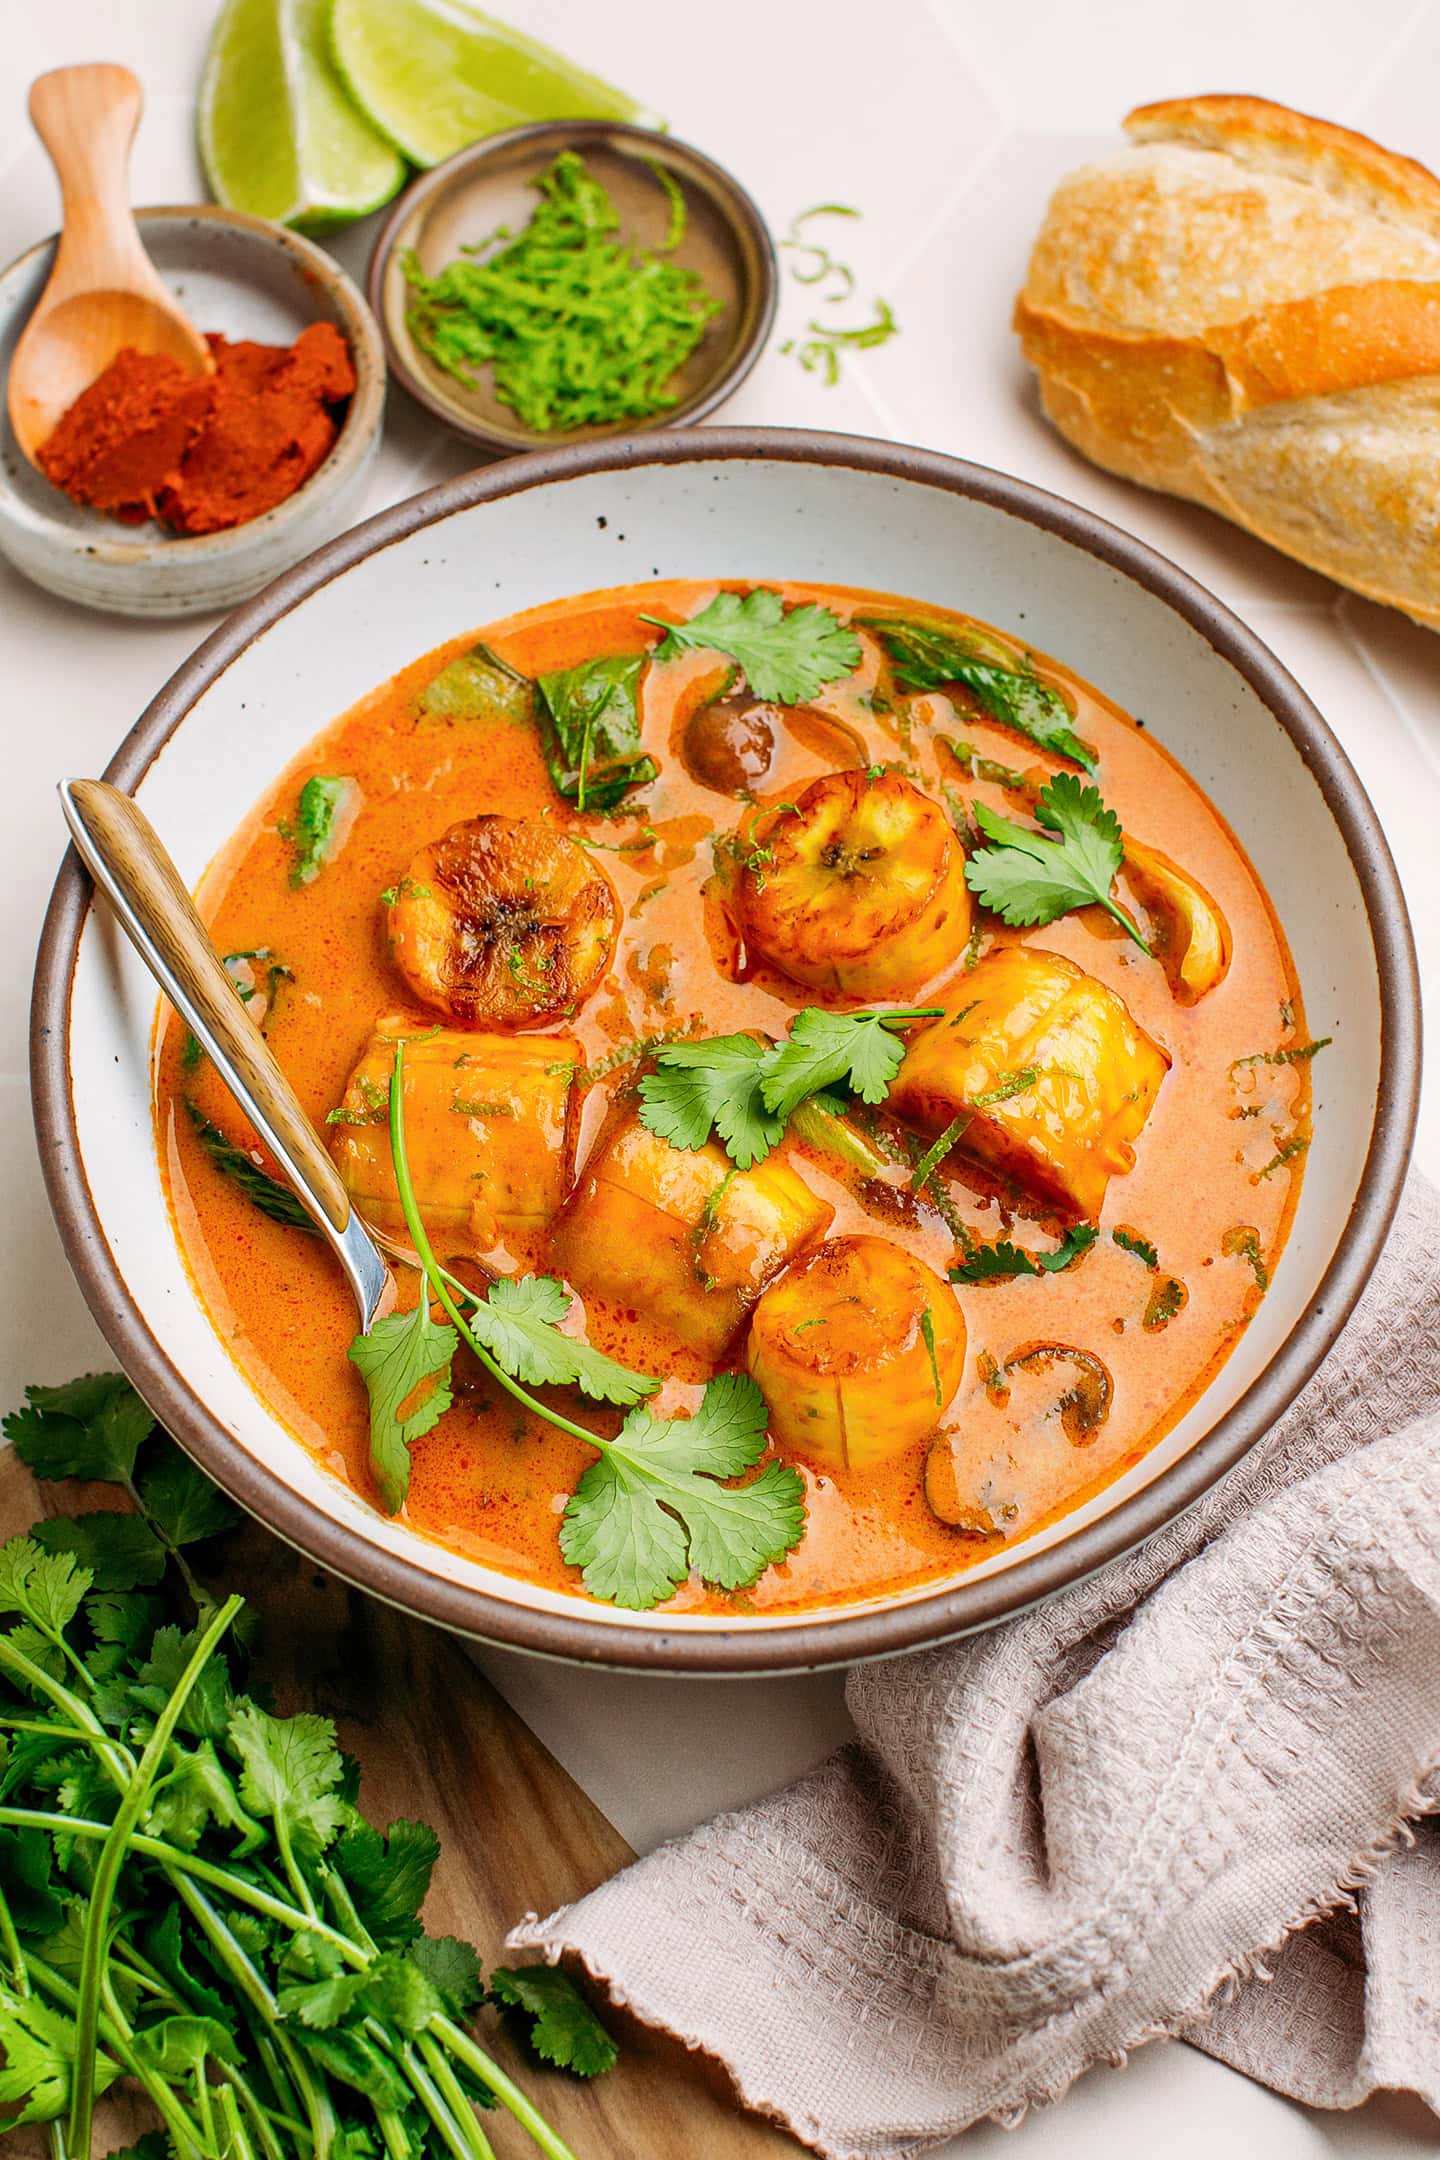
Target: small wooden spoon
x=104, y=292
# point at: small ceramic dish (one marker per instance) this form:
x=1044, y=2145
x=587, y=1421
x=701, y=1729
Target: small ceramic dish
x=877, y=516
x=246, y=279
x=488, y=186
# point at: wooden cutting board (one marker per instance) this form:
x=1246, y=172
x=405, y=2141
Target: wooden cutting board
x=517, y=1834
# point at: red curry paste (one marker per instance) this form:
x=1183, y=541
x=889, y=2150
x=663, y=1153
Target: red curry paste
x=147, y=440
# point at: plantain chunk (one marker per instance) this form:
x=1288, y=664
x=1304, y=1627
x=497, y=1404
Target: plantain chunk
x=857, y=1352
x=680, y=1235
x=488, y=1132
x=1043, y=1071
x=502, y=922
x=859, y=886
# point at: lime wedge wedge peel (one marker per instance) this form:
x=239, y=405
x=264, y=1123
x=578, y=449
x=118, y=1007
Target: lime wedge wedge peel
x=280, y=136
x=434, y=75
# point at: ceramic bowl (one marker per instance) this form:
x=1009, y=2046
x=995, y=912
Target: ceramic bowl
x=489, y=185
x=247, y=279
x=730, y=504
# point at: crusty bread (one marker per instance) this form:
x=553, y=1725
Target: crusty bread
x=1244, y=307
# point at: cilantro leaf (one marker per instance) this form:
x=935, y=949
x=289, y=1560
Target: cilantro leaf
x=1130, y=1241
x=323, y=817
x=1028, y=878
x=178, y=1496
x=453, y=1969
x=178, y=2047
x=1004, y=1261
x=196, y=1793
x=263, y=1191
x=405, y=1364
x=27, y=1882
x=564, y=2030
x=290, y=1768
x=206, y=1713
x=388, y=1877
x=926, y=656
x=700, y=1086
x=828, y=1049
x=37, y=2060
x=785, y=657
x=44, y=1588
x=165, y=1947
x=519, y=1324
x=121, y=1552
x=150, y=2145
x=89, y=1428
x=652, y=1506
x=359, y=2063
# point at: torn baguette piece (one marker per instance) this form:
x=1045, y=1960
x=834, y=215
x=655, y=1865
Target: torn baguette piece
x=1243, y=307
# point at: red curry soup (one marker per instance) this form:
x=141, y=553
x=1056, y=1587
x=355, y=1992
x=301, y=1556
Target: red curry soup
x=847, y=1083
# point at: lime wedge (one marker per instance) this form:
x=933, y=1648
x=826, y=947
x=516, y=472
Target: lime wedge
x=434, y=75
x=279, y=135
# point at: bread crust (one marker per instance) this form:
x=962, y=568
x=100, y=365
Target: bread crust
x=1240, y=258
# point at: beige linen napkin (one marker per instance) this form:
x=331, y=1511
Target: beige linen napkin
x=1109, y=1820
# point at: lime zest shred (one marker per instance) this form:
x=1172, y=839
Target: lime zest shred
x=579, y=328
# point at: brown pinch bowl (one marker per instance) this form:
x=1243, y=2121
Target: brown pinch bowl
x=487, y=185
x=728, y=504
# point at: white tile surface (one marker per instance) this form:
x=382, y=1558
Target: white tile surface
x=946, y=122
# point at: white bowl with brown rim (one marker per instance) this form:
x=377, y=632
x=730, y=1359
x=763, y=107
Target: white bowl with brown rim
x=731, y=504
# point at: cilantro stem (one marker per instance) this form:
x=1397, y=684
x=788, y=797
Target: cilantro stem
x=1113, y=907
x=174, y=1861
x=463, y=2108
x=451, y=2132
x=315, y=2100
x=478, y=2063
x=13, y=1951
x=438, y=1278
x=55, y=1985
x=79, y=1713
x=107, y=1875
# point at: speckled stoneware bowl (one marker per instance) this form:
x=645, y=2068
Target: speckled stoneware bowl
x=246, y=279
x=742, y=503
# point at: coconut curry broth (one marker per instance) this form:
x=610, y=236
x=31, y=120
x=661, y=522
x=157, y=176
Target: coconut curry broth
x=1217, y=1165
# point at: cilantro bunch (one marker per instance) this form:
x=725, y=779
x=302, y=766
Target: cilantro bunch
x=653, y=1505
x=190, y=1896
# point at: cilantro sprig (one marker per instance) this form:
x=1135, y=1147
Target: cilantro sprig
x=746, y=1091
x=787, y=657
x=1029, y=878
x=190, y=1896
x=1004, y=1261
x=563, y=2029
x=653, y=1505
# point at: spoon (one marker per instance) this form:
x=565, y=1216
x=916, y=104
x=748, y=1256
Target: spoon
x=125, y=856
x=104, y=292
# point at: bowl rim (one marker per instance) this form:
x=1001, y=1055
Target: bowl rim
x=351, y=447
x=738, y=205
x=962, y=1605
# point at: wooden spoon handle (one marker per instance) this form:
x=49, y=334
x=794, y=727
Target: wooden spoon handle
x=125, y=856
x=86, y=117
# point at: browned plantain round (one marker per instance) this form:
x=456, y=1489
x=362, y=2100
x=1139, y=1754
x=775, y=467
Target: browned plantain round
x=503, y=923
